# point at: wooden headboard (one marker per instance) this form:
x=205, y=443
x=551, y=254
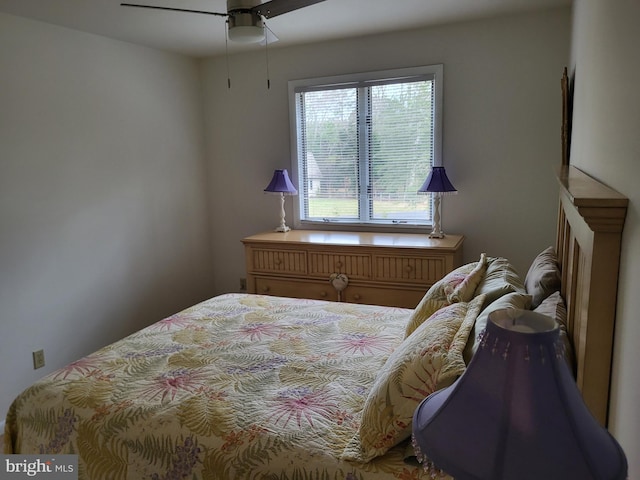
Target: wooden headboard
x=590, y=221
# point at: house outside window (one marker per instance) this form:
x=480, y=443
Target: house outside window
x=363, y=144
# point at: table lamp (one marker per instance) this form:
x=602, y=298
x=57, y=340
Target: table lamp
x=280, y=184
x=437, y=183
x=516, y=413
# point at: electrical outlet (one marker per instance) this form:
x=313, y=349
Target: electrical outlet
x=243, y=284
x=38, y=359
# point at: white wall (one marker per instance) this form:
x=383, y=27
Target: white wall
x=103, y=211
x=606, y=144
x=502, y=105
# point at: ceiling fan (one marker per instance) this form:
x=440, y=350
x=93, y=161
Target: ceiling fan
x=245, y=18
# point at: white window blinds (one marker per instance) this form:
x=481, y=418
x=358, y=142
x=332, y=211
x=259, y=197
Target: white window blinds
x=364, y=147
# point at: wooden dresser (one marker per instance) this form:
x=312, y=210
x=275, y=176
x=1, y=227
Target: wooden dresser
x=393, y=269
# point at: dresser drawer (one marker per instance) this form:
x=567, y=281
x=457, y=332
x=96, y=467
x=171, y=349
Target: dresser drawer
x=355, y=266
x=278, y=261
x=295, y=288
x=390, y=297
x=407, y=269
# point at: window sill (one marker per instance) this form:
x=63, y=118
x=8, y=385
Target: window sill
x=362, y=227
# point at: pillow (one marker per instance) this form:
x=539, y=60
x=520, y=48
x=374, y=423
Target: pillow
x=517, y=300
x=438, y=296
x=501, y=278
x=465, y=289
x=543, y=277
x=429, y=359
x=553, y=306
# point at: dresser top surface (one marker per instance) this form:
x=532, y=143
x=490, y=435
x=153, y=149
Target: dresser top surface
x=373, y=239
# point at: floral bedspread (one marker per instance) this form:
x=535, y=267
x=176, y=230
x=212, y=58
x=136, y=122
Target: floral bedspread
x=237, y=387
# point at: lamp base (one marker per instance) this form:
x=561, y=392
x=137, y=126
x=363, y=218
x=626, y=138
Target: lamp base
x=436, y=231
x=283, y=226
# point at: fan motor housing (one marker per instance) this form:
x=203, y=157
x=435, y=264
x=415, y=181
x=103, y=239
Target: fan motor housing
x=245, y=25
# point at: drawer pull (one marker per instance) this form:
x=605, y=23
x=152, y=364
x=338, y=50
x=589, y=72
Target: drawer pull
x=408, y=268
x=338, y=264
x=323, y=294
x=278, y=261
x=266, y=288
x=357, y=296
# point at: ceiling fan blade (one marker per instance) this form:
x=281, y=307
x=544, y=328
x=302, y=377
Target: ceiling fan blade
x=278, y=7
x=153, y=7
x=269, y=36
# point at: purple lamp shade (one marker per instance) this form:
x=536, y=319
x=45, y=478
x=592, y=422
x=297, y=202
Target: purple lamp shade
x=437, y=181
x=280, y=183
x=516, y=413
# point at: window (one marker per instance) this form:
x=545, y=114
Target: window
x=363, y=145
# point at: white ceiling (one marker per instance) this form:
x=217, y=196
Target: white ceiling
x=204, y=35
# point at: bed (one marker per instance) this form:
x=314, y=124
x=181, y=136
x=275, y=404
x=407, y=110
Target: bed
x=255, y=387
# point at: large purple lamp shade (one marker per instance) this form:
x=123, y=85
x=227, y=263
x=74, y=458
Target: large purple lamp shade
x=281, y=184
x=516, y=413
x=439, y=184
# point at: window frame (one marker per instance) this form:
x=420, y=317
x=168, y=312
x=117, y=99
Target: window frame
x=363, y=79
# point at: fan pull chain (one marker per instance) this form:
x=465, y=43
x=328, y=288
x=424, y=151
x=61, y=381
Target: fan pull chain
x=226, y=54
x=266, y=51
